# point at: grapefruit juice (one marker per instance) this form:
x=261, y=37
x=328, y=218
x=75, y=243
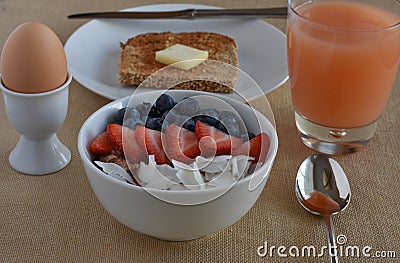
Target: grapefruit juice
x=343, y=58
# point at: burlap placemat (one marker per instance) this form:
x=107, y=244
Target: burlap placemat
x=57, y=218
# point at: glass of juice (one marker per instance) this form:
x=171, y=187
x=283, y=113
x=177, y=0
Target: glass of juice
x=343, y=58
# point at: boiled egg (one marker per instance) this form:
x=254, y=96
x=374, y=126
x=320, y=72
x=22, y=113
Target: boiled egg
x=33, y=60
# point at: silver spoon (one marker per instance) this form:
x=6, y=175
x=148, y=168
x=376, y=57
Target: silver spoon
x=322, y=189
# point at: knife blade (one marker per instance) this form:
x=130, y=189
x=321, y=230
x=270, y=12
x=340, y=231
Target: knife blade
x=277, y=12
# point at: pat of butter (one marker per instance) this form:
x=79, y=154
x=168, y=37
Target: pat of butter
x=185, y=57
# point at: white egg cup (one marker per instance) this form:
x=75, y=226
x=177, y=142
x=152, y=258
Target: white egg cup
x=37, y=117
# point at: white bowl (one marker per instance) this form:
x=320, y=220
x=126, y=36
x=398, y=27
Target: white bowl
x=147, y=211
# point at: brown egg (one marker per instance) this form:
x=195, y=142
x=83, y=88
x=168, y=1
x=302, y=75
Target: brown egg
x=33, y=59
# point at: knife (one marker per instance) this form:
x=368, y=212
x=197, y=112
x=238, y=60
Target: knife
x=277, y=12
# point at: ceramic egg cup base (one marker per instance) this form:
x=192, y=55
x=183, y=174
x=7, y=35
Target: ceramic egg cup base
x=39, y=157
x=37, y=117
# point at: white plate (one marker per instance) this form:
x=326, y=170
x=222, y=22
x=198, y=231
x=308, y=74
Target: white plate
x=93, y=49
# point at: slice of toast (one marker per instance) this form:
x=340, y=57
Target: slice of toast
x=137, y=61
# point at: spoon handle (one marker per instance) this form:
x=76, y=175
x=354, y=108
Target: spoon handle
x=331, y=239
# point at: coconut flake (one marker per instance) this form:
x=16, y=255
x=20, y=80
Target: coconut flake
x=190, y=176
x=115, y=171
x=202, y=173
x=213, y=164
x=156, y=176
x=223, y=178
x=240, y=165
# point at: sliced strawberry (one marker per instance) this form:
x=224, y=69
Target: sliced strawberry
x=257, y=147
x=133, y=152
x=140, y=136
x=150, y=140
x=101, y=144
x=181, y=144
x=207, y=146
x=224, y=142
x=154, y=146
x=114, y=132
x=125, y=140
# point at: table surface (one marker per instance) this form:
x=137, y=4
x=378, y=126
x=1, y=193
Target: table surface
x=57, y=218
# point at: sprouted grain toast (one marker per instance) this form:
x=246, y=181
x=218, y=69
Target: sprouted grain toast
x=137, y=61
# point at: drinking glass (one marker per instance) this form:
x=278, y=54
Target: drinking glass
x=343, y=58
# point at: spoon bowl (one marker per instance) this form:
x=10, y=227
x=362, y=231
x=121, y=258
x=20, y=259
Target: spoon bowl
x=322, y=189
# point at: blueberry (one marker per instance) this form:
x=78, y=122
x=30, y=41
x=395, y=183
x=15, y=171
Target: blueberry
x=165, y=102
x=120, y=114
x=143, y=109
x=188, y=107
x=189, y=125
x=247, y=136
x=154, y=123
x=132, y=123
x=170, y=116
x=155, y=112
x=210, y=117
x=211, y=112
x=164, y=115
x=222, y=127
x=228, y=115
x=131, y=113
x=231, y=126
x=180, y=120
x=208, y=120
x=250, y=135
x=164, y=126
x=213, y=122
x=227, y=118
